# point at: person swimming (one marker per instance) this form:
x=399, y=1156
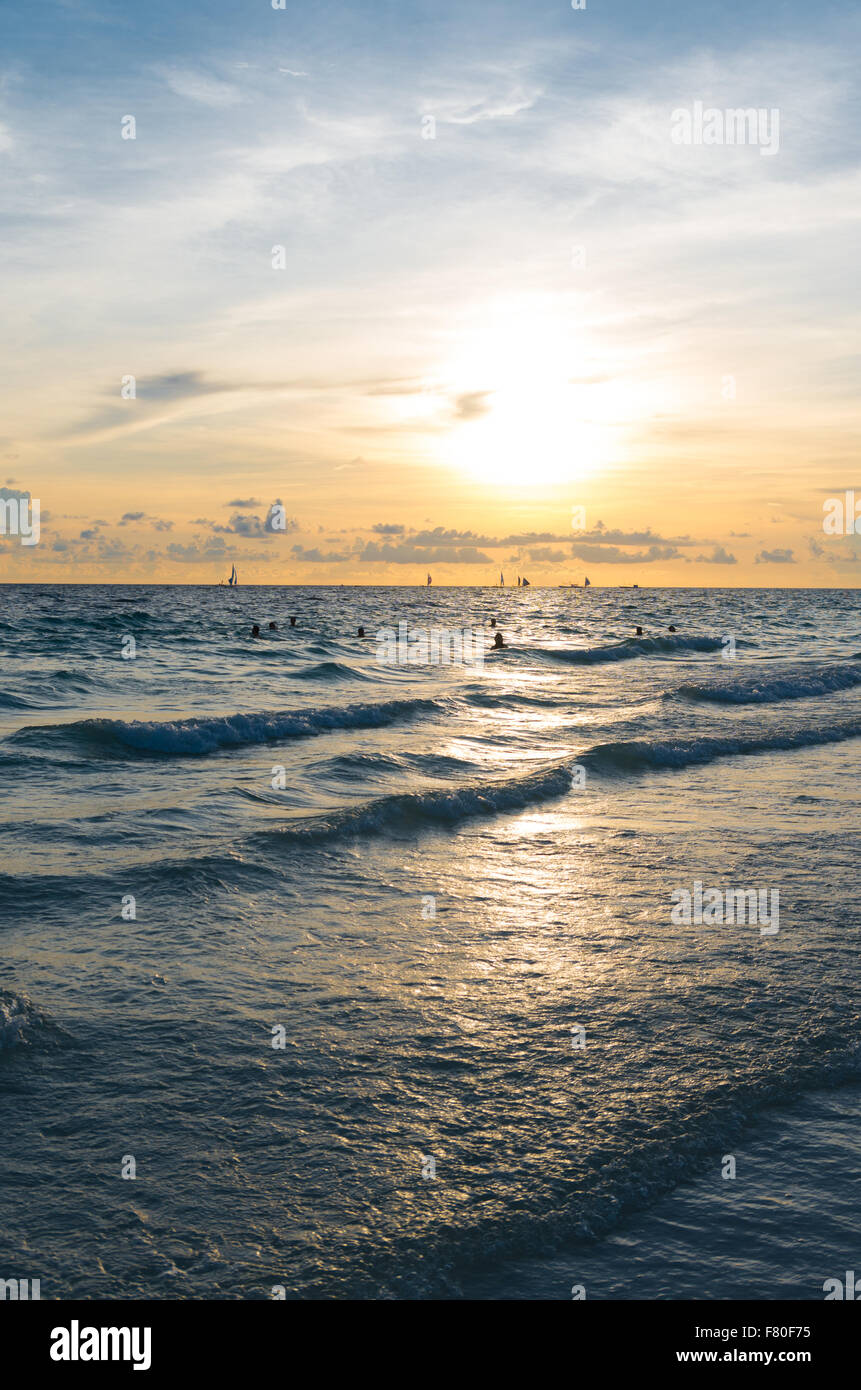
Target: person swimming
x=292, y=622
x=639, y=632
x=273, y=627
x=671, y=628
x=255, y=631
x=493, y=622
x=361, y=632
x=498, y=642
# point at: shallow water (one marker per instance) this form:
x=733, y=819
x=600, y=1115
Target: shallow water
x=454, y=869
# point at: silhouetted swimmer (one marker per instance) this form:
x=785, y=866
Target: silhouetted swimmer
x=493, y=622
x=671, y=628
x=361, y=632
x=498, y=642
x=639, y=632
x=273, y=627
x=255, y=631
x=292, y=622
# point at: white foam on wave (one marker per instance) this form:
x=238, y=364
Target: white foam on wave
x=639, y=754
x=18, y=1016
x=206, y=734
x=765, y=687
x=629, y=649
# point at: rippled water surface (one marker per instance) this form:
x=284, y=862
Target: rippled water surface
x=426, y=877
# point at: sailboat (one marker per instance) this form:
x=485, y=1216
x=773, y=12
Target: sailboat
x=430, y=581
x=501, y=580
x=525, y=583
x=586, y=584
x=234, y=577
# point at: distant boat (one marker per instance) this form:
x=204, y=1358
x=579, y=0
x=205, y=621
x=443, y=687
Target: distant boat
x=586, y=584
x=525, y=583
x=518, y=581
x=501, y=580
x=234, y=577
x=430, y=581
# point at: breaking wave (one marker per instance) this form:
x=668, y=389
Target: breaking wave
x=630, y=648
x=765, y=687
x=639, y=754
x=415, y=810
x=197, y=736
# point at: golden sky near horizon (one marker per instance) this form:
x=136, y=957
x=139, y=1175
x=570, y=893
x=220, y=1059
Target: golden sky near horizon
x=457, y=307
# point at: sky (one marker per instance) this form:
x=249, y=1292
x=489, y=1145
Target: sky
x=357, y=292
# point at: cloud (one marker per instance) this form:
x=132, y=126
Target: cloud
x=529, y=538
x=277, y=522
x=410, y=554
x=318, y=557
x=244, y=502
x=388, y=528
x=441, y=536
x=612, y=555
x=214, y=548
x=472, y=404
x=648, y=537
x=173, y=386
x=719, y=556
x=250, y=525
x=197, y=86
x=840, y=557
x=543, y=555
x=478, y=101
x=775, y=557
x=134, y=518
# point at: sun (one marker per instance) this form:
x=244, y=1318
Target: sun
x=530, y=436
x=526, y=414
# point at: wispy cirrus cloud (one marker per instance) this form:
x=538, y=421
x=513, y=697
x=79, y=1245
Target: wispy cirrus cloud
x=200, y=87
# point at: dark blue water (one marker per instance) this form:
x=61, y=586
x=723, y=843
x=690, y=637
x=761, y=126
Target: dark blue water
x=415, y=881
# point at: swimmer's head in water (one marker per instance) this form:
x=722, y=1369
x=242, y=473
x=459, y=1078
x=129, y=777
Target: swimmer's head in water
x=255, y=631
x=292, y=622
x=671, y=628
x=497, y=641
x=639, y=632
x=361, y=632
x=273, y=627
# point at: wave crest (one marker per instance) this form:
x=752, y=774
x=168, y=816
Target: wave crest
x=207, y=734
x=767, y=688
x=639, y=754
x=630, y=648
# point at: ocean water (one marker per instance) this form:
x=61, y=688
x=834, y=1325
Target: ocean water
x=416, y=881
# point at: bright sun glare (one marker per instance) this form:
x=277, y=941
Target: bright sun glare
x=528, y=417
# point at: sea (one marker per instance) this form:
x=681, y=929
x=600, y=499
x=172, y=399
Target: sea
x=328, y=975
